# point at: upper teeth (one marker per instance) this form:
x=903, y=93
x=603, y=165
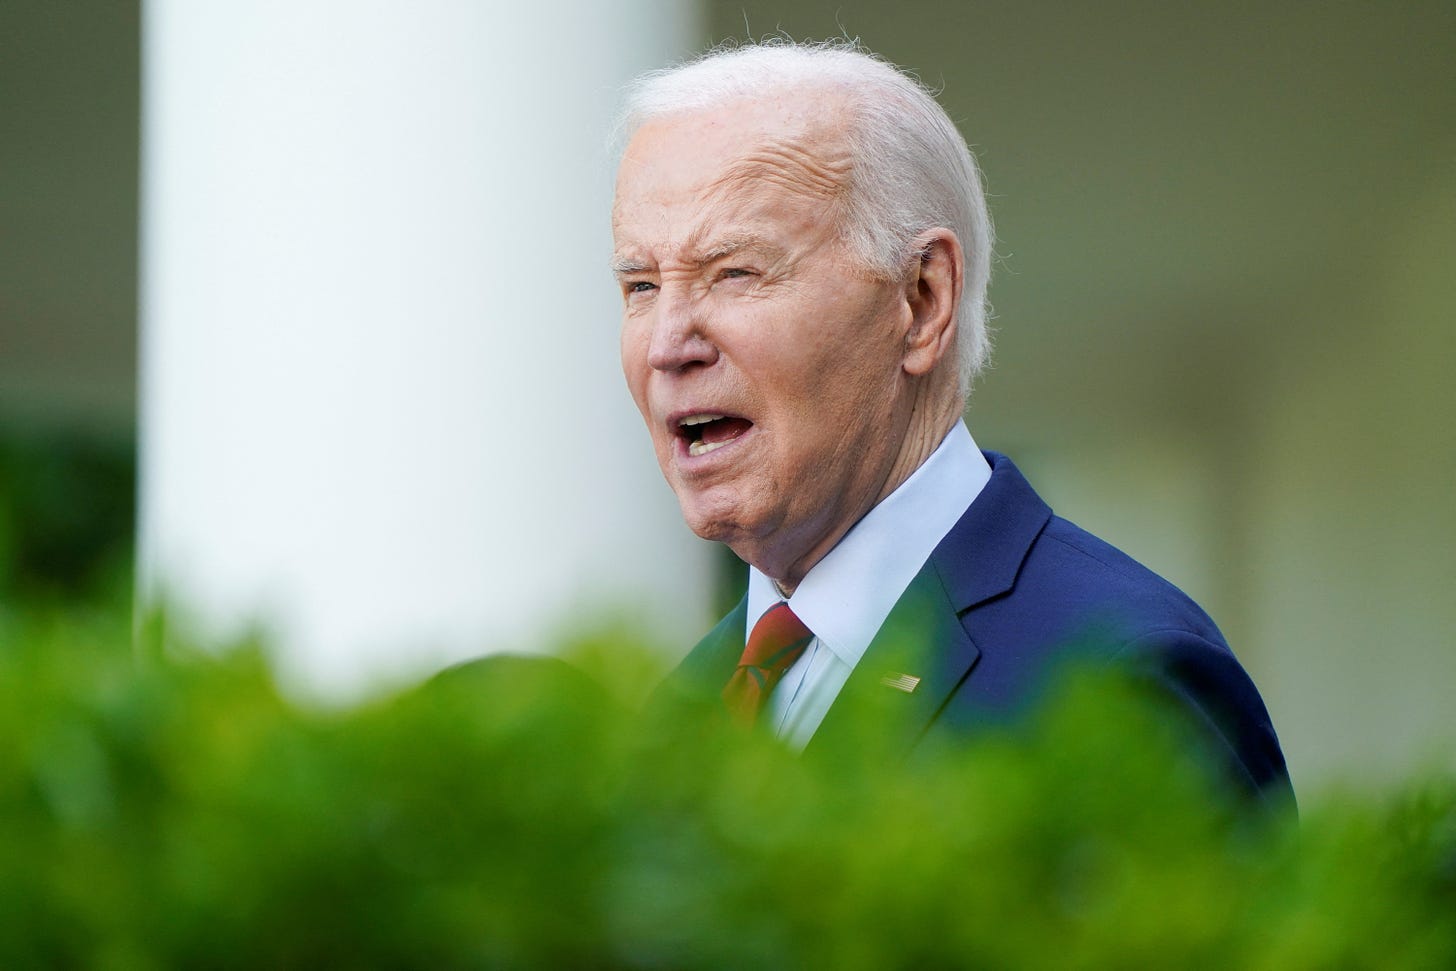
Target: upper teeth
x=699, y=419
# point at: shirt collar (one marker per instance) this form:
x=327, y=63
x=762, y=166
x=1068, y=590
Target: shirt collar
x=846, y=596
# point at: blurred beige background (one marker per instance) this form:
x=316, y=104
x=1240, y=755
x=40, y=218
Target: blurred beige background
x=1225, y=299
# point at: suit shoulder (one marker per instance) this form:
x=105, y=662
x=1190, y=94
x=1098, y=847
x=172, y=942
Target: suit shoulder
x=1099, y=576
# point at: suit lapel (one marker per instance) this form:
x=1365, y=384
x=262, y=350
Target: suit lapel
x=981, y=556
x=922, y=649
x=927, y=634
x=712, y=662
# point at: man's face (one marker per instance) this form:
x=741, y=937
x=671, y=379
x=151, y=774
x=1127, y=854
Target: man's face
x=764, y=360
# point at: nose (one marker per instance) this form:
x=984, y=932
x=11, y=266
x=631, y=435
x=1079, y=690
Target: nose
x=679, y=337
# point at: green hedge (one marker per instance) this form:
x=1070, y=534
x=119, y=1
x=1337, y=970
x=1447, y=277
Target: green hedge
x=67, y=513
x=179, y=812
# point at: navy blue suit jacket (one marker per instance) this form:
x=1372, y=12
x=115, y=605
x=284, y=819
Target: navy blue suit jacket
x=1006, y=596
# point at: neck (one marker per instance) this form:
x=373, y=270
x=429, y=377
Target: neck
x=932, y=414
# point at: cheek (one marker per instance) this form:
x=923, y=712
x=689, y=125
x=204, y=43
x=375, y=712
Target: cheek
x=629, y=342
x=634, y=361
x=847, y=390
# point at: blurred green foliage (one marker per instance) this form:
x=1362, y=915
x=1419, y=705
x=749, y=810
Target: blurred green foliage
x=173, y=809
x=67, y=514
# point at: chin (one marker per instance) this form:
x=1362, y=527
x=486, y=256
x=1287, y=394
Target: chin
x=709, y=528
x=715, y=521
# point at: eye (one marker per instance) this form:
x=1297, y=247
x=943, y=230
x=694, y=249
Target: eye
x=640, y=286
x=734, y=273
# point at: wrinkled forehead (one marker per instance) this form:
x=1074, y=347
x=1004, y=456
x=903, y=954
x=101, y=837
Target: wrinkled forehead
x=793, y=141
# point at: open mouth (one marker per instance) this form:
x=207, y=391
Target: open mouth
x=706, y=432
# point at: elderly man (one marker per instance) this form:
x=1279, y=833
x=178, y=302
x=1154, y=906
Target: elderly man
x=803, y=250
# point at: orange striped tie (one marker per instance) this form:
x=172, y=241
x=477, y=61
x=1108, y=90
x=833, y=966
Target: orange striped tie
x=777, y=641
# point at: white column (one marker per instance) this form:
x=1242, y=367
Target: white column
x=382, y=412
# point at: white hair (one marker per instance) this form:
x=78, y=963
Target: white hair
x=911, y=169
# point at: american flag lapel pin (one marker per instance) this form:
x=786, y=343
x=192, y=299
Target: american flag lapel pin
x=901, y=682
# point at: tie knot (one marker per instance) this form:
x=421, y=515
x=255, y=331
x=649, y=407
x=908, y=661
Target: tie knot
x=777, y=641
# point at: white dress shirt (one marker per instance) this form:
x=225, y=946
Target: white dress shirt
x=847, y=595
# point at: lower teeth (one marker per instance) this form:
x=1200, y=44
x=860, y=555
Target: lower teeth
x=703, y=448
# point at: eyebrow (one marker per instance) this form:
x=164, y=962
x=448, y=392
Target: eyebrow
x=735, y=243
x=719, y=249
x=622, y=266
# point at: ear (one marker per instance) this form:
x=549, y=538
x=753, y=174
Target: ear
x=932, y=293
